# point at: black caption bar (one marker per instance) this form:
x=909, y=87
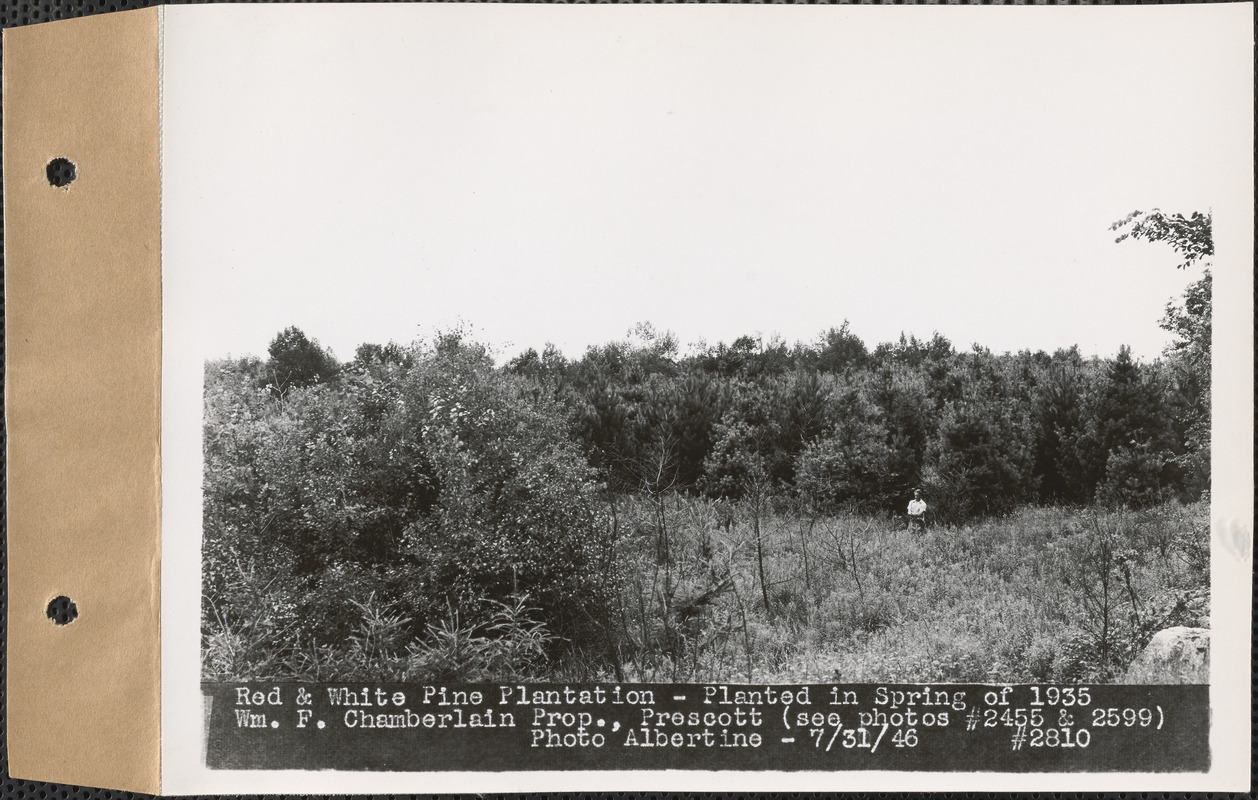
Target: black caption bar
x=949, y=727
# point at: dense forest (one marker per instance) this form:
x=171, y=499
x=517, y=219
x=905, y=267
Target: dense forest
x=430, y=512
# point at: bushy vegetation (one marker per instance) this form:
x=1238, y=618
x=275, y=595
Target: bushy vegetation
x=419, y=513
x=421, y=495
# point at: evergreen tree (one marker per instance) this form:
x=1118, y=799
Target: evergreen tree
x=1127, y=444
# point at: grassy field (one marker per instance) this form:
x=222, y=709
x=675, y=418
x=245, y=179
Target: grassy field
x=718, y=593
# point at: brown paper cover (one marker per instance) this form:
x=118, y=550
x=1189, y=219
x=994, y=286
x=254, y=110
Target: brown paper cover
x=82, y=399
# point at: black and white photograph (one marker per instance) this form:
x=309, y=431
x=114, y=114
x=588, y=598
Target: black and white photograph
x=759, y=509
x=901, y=416
x=686, y=349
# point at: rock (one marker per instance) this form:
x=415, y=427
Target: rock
x=1174, y=655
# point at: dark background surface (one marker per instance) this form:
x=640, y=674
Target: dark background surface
x=28, y=12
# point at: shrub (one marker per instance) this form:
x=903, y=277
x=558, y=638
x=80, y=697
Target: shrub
x=847, y=469
x=428, y=483
x=980, y=465
x=1133, y=476
x=517, y=509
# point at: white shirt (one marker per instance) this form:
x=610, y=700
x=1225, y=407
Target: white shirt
x=917, y=508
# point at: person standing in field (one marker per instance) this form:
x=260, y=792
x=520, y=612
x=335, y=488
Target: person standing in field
x=917, y=512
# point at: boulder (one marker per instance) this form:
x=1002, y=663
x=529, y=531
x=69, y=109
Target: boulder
x=1174, y=655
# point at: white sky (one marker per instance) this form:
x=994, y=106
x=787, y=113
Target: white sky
x=556, y=174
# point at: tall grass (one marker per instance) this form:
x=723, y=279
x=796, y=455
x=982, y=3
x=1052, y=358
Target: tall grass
x=1046, y=594
x=509, y=645
x=710, y=592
